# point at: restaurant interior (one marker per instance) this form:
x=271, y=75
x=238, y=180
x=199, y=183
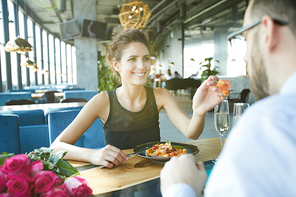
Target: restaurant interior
x=52, y=64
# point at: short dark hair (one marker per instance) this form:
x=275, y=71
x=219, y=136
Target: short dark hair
x=278, y=9
x=120, y=42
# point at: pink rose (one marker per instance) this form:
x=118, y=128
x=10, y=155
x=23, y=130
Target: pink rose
x=5, y=195
x=59, y=191
x=33, y=168
x=19, y=185
x=2, y=182
x=15, y=164
x=78, y=187
x=45, y=181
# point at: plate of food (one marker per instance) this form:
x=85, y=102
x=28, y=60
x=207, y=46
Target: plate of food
x=164, y=151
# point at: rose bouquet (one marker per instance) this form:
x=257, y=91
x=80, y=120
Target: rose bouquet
x=40, y=173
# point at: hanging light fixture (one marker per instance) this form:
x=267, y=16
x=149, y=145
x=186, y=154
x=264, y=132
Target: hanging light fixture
x=44, y=71
x=171, y=64
x=134, y=14
x=34, y=68
x=18, y=45
x=28, y=63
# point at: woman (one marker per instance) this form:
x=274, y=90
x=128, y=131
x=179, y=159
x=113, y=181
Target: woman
x=130, y=112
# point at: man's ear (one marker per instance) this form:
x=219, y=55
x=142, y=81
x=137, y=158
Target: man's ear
x=271, y=37
x=115, y=65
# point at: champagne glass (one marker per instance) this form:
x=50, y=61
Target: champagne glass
x=238, y=110
x=221, y=120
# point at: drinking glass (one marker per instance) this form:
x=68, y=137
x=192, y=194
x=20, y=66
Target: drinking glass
x=238, y=110
x=221, y=120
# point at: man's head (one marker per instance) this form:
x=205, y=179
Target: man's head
x=271, y=44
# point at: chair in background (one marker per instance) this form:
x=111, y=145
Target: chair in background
x=33, y=132
x=22, y=90
x=86, y=94
x=58, y=121
x=20, y=102
x=70, y=100
x=50, y=110
x=244, y=95
x=49, y=96
x=9, y=135
x=14, y=96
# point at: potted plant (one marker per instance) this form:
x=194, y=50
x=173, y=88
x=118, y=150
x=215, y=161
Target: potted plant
x=106, y=79
x=208, y=71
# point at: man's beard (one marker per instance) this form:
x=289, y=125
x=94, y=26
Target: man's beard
x=257, y=73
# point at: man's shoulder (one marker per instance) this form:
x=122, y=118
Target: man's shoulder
x=275, y=103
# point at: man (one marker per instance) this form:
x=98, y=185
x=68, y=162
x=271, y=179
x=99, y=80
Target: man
x=259, y=156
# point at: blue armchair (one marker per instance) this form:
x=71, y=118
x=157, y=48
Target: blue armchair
x=33, y=132
x=50, y=110
x=14, y=96
x=28, y=117
x=9, y=135
x=58, y=121
x=86, y=94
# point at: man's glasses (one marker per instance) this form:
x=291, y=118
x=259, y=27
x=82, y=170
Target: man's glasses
x=238, y=34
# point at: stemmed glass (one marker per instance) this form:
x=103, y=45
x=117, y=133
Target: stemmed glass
x=238, y=110
x=221, y=120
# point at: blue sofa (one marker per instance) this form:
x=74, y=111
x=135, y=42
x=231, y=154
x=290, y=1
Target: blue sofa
x=86, y=94
x=14, y=96
x=58, y=121
x=9, y=135
x=33, y=132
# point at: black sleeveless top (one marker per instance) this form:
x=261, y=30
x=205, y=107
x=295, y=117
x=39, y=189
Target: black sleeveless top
x=125, y=129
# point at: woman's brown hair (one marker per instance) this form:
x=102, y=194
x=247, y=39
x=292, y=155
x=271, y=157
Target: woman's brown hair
x=120, y=42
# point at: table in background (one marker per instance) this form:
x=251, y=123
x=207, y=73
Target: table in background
x=136, y=170
x=42, y=106
x=39, y=96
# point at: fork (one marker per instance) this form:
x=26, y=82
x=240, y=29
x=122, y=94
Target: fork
x=130, y=155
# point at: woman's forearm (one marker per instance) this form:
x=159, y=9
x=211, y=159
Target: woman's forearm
x=196, y=125
x=73, y=152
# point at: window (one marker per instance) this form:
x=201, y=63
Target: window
x=51, y=59
x=58, y=61
x=13, y=62
x=45, y=57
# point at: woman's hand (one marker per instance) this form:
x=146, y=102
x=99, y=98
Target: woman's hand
x=108, y=157
x=207, y=95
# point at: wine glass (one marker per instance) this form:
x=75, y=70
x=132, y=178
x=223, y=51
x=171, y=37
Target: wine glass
x=221, y=120
x=238, y=110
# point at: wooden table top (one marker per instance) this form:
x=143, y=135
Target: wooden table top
x=42, y=106
x=137, y=170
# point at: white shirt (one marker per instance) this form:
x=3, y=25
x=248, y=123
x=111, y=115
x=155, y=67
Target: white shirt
x=167, y=76
x=259, y=156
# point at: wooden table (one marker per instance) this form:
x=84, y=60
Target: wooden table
x=43, y=106
x=39, y=96
x=137, y=170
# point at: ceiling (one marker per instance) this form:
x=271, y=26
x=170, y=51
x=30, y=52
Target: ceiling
x=199, y=16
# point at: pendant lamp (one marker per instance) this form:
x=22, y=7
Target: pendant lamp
x=18, y=45
x=134, y=14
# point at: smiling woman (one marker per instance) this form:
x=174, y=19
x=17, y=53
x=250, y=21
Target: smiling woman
x=130, y=112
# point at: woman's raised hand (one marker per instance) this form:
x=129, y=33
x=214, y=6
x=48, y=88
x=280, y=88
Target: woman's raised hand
x=108, y=157
x=207, y=95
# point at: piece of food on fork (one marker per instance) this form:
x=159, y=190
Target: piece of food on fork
x=224, y=86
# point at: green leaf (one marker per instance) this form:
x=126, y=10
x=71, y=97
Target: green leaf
x=4, y=156
x=169, y=142
x=46, y=150
x=54, y=159
x=47, y=165
x=180, y=147
x=66, y=169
